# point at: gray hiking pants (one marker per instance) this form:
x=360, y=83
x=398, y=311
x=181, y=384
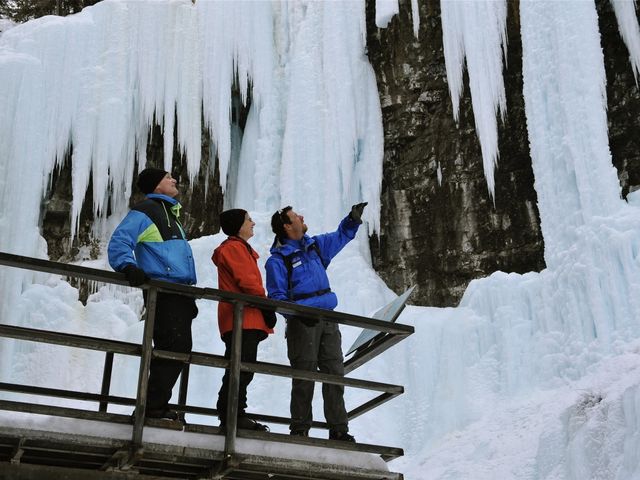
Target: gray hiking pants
x=316, y=348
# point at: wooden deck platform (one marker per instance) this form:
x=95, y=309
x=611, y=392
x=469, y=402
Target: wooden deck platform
x=196, y=453
x=44, y=441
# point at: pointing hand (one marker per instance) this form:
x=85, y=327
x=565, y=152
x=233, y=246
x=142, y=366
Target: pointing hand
x=356, y=212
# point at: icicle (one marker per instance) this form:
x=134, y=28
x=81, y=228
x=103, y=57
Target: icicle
x=476, y=30
x=98, y=80
x=124, y=64
x=415, y=16
x=385, y=10
x=332, y=115
x=625, y=11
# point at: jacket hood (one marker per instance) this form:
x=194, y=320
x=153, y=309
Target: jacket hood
x=165, y=198
x=287, y=246
x=216, y=253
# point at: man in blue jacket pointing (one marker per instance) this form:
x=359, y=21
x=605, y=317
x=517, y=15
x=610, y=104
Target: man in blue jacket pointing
x=296, y=272
x=151, y=243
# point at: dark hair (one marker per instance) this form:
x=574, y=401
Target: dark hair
x=278, y=221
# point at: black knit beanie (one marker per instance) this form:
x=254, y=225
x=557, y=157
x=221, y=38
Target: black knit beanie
x=149, y=179
x=232, y=220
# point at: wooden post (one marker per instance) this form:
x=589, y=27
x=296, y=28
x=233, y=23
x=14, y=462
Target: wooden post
x=145, y=363
x=234, y=382
x=184, y=388
x=106, y=379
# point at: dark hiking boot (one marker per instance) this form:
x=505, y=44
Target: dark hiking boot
x=299, y=433
x=342, y=436
x=245, y=423
x=163, y=413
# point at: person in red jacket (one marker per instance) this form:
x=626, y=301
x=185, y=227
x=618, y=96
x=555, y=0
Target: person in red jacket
x=238, y=272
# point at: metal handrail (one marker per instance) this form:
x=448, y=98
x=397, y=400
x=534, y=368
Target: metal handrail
x=390, y=333
x=285, y=308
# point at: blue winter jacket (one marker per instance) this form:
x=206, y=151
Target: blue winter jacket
x=151, y=238
x=308, y=272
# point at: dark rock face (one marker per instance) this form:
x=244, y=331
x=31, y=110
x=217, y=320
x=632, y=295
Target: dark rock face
x=436, y=235
x=439, y=236
x=202, y=201
x=623, y=101
x=56, y=219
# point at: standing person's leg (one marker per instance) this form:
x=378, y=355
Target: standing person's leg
x=302, y=349
x=250, y=341
x=172, y=332
x=249, y=353
x=330, y=360
x=223, y=394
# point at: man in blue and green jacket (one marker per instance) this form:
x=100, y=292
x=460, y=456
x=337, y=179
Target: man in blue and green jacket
x=151, y=243
x=296, y=273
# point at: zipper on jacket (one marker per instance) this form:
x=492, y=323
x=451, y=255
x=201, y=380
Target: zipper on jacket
x=166, y=214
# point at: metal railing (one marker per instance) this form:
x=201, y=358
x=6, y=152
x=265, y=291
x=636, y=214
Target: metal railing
x=390, y=334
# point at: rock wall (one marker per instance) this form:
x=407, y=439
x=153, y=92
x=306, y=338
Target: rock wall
x=202, y=201
x=440, y=228
x=440, y=234
x=623, y=101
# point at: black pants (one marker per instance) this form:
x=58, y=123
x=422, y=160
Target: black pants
x=316, y=348
x=172, y=332
x=249, y=353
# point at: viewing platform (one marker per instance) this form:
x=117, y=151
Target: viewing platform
x=86, y=441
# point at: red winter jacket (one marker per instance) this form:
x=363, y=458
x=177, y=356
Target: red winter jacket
x=238, y=272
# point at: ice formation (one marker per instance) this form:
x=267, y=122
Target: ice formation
x=534, y=376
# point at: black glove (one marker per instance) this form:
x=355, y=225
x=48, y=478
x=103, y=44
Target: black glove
x=356, y=212
x=134, y=275
x=269, y=317
x=309, y=322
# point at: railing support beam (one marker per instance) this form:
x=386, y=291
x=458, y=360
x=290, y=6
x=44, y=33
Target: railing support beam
x=145, y=363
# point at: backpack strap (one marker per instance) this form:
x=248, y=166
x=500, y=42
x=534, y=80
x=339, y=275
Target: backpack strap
x=288, y=262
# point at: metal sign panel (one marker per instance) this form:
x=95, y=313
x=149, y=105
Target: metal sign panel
x=388, y=313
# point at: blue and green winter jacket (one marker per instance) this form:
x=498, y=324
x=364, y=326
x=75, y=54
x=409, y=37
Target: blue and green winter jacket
x=308, y=270
x=151, y=238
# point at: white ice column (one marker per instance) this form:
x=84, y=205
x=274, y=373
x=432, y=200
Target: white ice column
x=475, y=31
x=332, y=138
x=565, y=100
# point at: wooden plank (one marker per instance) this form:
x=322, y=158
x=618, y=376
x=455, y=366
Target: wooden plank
x=284, y=371
x=305, y=469
x=289, y=308
x=381, y=450
x=379, y=345
x=69, y=340
x=40, y=472
x=370, y=405
x=58, y=393
x=63, y=412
